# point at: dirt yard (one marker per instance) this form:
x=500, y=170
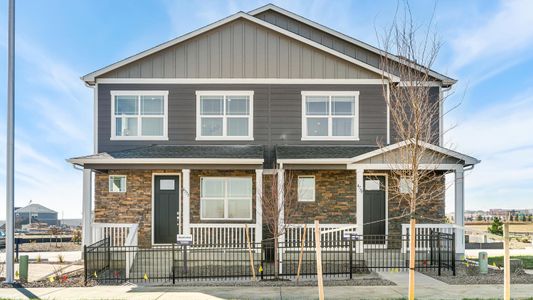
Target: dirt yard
x=47, y=247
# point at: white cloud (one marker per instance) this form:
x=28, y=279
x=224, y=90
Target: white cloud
x=501, y=137
x=504, y=34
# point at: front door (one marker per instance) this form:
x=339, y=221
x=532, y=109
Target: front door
x=166, y=208
x=374, y=208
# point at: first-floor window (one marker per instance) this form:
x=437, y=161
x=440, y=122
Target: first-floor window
x=226, y=198
x=406, y=185
x=117, y=183
x=306, y=188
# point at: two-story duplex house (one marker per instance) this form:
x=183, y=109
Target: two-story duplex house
x=187, y=132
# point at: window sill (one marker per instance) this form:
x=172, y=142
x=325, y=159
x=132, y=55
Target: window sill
x=139, y=138
x=327, y=138
x=218, y=138
x=227, y=220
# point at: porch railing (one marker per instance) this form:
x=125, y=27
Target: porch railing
x=294, y=233
x=221, y=235
x=424, y=230
x=118, y=233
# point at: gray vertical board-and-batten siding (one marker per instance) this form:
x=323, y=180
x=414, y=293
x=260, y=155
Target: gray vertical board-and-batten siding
x=241, y=49
x=277, y=114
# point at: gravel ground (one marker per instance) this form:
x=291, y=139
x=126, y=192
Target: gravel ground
x=72, y=279
x=469, y=275
x=45, y=247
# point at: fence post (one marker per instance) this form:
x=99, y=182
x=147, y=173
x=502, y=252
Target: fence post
x=351, y=257
x=453, y=252
x=173, y=266
x=109, y=255
x=85, y=263
x=440, y=251
x=17, y=242
x=431, y=246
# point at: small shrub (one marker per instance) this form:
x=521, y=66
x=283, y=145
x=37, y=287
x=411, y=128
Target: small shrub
x=60, y=258
x=38, y=259
x=496, y=227
x=76, y=236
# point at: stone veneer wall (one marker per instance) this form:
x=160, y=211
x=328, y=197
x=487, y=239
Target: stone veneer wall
x=428, y=211
x=133, y=206
x=195, y=192
x=334, y=198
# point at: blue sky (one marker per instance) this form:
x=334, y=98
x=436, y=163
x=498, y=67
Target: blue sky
x=487, y=46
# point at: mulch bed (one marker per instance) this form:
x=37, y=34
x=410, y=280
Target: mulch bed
x=469, y=275
x=71, y=279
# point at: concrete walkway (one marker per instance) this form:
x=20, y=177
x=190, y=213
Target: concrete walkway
x=200, y=293
x=439, y=291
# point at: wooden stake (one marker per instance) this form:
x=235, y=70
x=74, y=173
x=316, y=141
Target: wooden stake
x=506, y=263
x=301, y=253
x=319, y=262
x=412, y=257
x=250, y=252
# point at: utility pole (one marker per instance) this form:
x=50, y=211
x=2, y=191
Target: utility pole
x=10, y=170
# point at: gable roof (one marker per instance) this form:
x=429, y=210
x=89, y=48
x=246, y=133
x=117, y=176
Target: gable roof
x=34, y=208
x=91, y=77
x=445, y=79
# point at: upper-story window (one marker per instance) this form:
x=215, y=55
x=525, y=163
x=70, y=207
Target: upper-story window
x=224, y=115
x=139, y=115
x=330, y=115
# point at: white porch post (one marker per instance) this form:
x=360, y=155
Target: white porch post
x=186, y=215
x=258, y=205
x=87, y=208
x=459, y=212
x=281, y=203
x=359, y=188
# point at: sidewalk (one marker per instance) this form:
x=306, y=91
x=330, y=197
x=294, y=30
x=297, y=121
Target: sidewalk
x=427, y=288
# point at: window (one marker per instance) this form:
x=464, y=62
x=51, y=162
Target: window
x=306, y=188
x=117, y=184
x=372, y=185
x=406, y=185
x=224, y=115
x=330, y=115
x=226, y=198
x=139, y=115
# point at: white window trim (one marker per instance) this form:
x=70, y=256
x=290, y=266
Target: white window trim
x=224, y=136
x=225, y=199
x=330, y=117
x=114, y=137
x=111, y=177
x=314, y=188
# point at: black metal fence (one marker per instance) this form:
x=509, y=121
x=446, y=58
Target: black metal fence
x=340, y=259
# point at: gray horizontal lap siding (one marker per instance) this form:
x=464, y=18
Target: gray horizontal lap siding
x=277, y=114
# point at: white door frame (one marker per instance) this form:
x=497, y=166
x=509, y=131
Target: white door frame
x=153, y=198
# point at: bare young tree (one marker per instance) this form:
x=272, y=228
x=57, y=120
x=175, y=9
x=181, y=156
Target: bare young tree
x=415, y=109
x=276, y=209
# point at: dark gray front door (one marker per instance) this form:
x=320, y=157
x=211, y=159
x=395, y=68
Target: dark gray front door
x=166, y=208
x=374, y=208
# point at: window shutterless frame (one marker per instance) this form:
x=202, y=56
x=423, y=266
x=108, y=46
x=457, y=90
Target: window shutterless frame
x=225, y=116
x=330, y=116
x=123, y=189
x=139, y=116
x=313, y=198
x=225, y=198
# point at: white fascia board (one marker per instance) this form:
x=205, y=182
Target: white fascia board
x=467, y=159
x=313, y=161
x=445, y=79
x=166, y=161
x=90, y=78
x=237, y=81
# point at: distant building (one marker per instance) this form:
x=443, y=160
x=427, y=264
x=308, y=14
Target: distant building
x=35, y=213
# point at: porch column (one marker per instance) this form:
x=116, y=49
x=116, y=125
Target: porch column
x=281, y=202
x=87, y=208
x=359, y=188
x=258, y=205
x=186, y=173
x=459, y=212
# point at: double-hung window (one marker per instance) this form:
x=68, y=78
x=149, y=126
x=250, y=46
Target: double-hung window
x=139, y=115
x=117, y=183
x=306, y=188
x=224, y=115
x=226, y=198
x=330, y=115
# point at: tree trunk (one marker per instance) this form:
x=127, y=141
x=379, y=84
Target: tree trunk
x=412, y=257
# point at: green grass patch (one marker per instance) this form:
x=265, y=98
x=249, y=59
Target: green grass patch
x=527, y=260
